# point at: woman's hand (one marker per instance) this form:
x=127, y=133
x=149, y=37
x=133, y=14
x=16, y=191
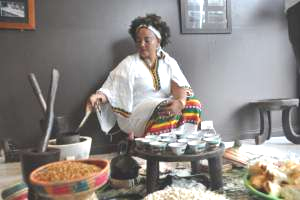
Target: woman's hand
x=173, y=107
x=176, y=105
x=95, y=100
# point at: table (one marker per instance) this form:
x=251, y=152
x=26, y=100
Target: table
x=213, y=156
x=265, y=107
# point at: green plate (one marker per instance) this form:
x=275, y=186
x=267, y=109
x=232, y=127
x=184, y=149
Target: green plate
x=256, y=192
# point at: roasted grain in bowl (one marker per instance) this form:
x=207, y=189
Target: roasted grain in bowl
x=76, y=179
x=66, y=171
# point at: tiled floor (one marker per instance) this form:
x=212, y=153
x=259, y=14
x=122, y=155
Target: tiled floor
x=10, y=173
x=276, y=147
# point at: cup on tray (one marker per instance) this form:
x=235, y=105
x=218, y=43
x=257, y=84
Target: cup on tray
x=166, y=135
x=168, y=140
x=152, y=137
x=196, y=146
x=177, y=148
x=146, y=143
x=212, y=141
x=139, y=143
x=179, y=134
x=158, y=147
x=183, y=140
x=193, y=137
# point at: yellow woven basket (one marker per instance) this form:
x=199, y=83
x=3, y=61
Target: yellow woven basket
x=78, y=189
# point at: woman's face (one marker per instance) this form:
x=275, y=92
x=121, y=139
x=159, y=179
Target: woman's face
x=146, y=43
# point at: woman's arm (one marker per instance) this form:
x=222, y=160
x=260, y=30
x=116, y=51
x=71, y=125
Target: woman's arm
x=178, y=93
x=177, y=104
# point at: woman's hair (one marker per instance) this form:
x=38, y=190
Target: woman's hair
x=155, y=21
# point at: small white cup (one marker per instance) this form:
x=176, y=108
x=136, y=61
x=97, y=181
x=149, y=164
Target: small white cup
x=213, y=142
x=183, y=140
x=152, y=137
x=193, y=137
x=139, y=143
x=179, y=134
x=158, y=147
x=168, y=140
x=177, y=148
x=196, y=146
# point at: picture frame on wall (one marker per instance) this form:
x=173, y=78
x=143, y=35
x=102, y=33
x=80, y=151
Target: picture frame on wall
x=205, y=16
x=17, y=14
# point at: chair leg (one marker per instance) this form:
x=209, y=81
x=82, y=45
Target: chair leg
x=264, y=127
x=289, y=132
x=270, y=124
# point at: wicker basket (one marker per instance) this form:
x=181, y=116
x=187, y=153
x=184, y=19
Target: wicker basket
x=78, y=189
x=17, y=191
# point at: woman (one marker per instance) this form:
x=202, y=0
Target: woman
x=147, y=92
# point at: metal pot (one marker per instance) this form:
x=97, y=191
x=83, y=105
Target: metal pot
x=124, y=167
x=63, y=130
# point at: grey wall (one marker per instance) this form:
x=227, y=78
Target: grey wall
x=86, y=39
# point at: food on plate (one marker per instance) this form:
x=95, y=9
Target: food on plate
x=294, y=178
x=66, y=171
x=257, y=168
x=291, y=192
x=257, y=181
x=289, y=166
x=272, y=188
x=280, y=179
x=276, y=175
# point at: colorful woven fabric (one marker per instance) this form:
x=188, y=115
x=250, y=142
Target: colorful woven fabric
x=190, y=114
x=18, y=191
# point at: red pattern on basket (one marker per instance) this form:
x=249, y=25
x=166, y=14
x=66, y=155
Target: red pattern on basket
x=21, y=197
x=101, y=179
x=65, y=189
x=69, y=189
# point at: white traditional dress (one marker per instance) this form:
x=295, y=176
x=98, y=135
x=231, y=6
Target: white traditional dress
x=134, y=91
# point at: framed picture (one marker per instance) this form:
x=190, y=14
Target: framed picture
x=205, y=16
x=17, y=14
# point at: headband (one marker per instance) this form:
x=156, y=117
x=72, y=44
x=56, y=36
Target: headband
x=154, y=30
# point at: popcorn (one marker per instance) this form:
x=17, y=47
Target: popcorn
x=178, y=193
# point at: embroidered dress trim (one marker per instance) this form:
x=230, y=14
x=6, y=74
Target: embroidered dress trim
x=155, y=76
x=121, y=112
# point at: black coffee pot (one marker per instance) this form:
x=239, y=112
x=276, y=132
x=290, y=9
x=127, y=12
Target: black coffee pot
x=123, y=166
